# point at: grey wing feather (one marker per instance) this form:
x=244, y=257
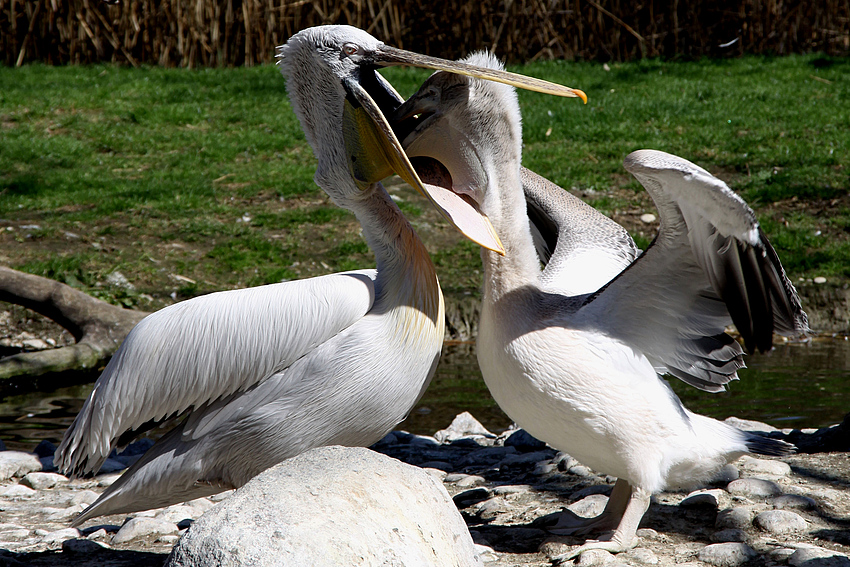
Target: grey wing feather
x=710, y=265
x=581, y=248
x=197, y=351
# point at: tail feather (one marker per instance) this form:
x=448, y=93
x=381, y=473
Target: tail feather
x=762, y=445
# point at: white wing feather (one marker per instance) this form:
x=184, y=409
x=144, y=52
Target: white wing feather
x=181, y=357
x=710, y=264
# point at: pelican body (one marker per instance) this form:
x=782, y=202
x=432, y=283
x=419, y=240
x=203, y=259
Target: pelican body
x=263, y=374
x=574, y=352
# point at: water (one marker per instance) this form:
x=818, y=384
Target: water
x=795, y=385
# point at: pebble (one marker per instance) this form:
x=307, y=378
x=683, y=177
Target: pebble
x=17, y=491
x=703, y=498
x=643, y=556
x=754, y=488
x=794, y=501
x=469, y=481
x=739, y=518
x=647, y=218
x=54, y=539
x=84, y=497
x=727, y=554
x=754, y=466
x=140, y=527
x=811, y=556
x=726, y=474
x=589, y=506
x=593, y=557
x=462, y=425
x=819, y=280
x=112, y=465
x=525, y=459
x=82, y=546
x=42, y=480
x=524, y=441
x=780, y=522
x=17, y=463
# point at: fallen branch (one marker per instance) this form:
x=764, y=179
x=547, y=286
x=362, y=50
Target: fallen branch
x=97, y=326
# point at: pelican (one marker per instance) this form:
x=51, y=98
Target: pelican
x=577, y=360
x=263, y=374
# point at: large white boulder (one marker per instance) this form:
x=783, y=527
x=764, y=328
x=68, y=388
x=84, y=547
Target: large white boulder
x=332, y=506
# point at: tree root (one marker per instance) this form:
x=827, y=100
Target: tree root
x=97, y=326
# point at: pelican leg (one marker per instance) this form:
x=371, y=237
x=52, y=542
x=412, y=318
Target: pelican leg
x=569, y=523
x=625, y=536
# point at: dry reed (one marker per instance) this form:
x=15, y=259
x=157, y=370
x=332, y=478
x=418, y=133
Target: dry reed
x=193, y=33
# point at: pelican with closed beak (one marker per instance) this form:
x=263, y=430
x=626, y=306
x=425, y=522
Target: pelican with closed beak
x=575, y=352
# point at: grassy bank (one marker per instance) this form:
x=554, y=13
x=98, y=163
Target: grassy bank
x=190, y=181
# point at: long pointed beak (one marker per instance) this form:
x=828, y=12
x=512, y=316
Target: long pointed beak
x=388, y=56
x=374, y=152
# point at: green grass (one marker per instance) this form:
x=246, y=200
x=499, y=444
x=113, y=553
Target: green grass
x=188, y=181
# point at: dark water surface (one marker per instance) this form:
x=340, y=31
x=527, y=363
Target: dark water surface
x=795, y=385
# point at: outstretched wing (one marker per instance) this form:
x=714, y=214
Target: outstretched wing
x=709, y=265
x=581, y=248
x=204, y=349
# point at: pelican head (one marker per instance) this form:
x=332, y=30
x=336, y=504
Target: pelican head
x=466, y=129
x=342, y=104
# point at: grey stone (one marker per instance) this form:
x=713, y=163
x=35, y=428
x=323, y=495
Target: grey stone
x=43, y=480
x=794, y=502
x=111, y=466
x=332, y=506
x=17, y=463
x=54, y=539
x=142, y=526
x=462, y=425
x=17, y=491
x=524, y=441
x=580, y=470
x=470, y=480
x=593, y=557
x=751, y=465
x=739, y=518
x=642, y=556
x=703, y=498
x=83, y=546
x=780, y=522
x=84, y=497
x=525, y=459
x=726, y=474
x=748, y=425
x=729, y=535
x=589, y=506
x=754, y=488
x=44, y=449
x=813, y=556
x=727, y=554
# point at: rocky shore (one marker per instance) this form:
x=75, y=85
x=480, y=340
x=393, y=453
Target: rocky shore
x=509, y=487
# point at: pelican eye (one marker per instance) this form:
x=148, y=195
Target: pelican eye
x=350, y=49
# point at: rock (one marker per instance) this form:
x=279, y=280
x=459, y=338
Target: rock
x=703, y=498
x=593, y=557
x=442, y=466
x=727, y=554
x=462, y=425
x=17, y=491
x=589, y=506
x=44, y=449
x=43, y=480
x=642, y=556
x=524, y=441
x=332, y=506
x=813, y=556
x=754, y=488
x=140, y=527
x=749, y=425
x=469, y=480
x=647, y=218
x=755, y=466
x=54, y=539
x=726, y=474
x=779, y=522
x=739, y=518
x=17, y=463
x=470, y=497
x=729, y=535
x=525, y=459
x=83, y=546
x=111, y=466
x=177, y=513
x=794, y=501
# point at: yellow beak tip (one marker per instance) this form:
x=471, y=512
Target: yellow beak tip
x=581, y=95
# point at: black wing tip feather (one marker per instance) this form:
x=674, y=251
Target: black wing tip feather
x=761, y=445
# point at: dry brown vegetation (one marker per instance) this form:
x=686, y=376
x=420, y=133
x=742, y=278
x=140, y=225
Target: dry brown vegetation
x=193, y=33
